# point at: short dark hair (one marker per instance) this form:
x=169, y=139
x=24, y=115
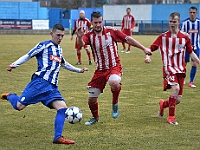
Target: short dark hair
x=172, y=15
x=96, y=14
x=193, y=7
x=128, y=8
x=58, y=27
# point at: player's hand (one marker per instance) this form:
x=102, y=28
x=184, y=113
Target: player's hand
x=80, y=32
x=83, y=70
x=71, y=38
x=147, y=51
x=10, y=68
x=147, y=59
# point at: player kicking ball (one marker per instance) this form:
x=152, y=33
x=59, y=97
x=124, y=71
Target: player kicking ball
x=172, y=45
x=44, y=83
x=103, y=41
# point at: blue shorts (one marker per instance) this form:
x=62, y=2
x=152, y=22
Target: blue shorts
x=187, y=56
x=40, y=90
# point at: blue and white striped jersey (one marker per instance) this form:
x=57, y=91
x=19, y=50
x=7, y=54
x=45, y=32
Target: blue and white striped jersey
x=193, y=29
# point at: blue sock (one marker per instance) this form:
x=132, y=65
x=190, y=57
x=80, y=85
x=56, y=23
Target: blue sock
x=59, y=123
x=193, y=73
x=13, y=98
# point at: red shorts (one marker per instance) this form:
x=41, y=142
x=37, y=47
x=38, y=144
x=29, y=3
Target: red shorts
x=127, y=32
x=101, y=77
x=173, y=80
x=77, y=47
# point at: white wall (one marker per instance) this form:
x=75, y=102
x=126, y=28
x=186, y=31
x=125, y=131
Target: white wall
x=116, y=12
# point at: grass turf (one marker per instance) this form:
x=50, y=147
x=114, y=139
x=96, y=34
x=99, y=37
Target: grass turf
x=137, y=127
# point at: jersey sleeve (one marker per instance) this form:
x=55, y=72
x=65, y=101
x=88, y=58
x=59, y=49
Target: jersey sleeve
x=156, y=44
x=37, y=49
x=118, y=35
x=189, y=47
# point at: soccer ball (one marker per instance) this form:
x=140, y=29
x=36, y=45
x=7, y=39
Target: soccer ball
x=73, y=115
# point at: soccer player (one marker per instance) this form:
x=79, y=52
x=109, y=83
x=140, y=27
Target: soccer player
x=172, y=45
x=192, y=26
x=86, y=24
x=128, y=23
x=43, y=86
x=103, y=41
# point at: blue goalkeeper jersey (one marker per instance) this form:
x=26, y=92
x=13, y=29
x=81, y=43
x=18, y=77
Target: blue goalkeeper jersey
x=193, y=29
x=49, y=58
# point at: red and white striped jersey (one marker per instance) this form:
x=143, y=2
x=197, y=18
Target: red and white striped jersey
x=85, y=23
x=128, y=22
x=172, y=50
x=104, y=46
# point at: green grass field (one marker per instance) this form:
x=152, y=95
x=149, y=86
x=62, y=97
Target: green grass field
x=137, y=127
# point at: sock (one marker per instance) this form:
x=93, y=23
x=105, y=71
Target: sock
x=193, y=73
x=115, y=96
x=88, y=53
x=124, y=46
x=129, y=47
x=59, y=123
x=79, y=56
x=166, y=104
x=172, y=105
x=94, y=109
x=13, y=98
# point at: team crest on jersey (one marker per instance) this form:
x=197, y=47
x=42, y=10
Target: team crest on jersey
x=55, y=58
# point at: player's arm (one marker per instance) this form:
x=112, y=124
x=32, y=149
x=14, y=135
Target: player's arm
x=18, y=62
x=74, y=31
x=38, y=48
x=70, y=67
x=153, y=47
x=137, y=44
x=80, y=34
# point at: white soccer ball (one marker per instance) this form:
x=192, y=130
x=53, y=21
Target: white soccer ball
x=73, y=115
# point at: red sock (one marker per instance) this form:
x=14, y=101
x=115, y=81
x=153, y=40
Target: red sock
x=172, y=105
x=115, y=96
x=166, y=104
x=88, y=53
x=124, y=46
x=129, y=47
x=94, y=109
x=79, y=56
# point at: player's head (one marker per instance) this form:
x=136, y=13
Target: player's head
x=82, y=14
x=128, y=10
x=57, y=33
x=97, y=21
x=174, y=21
x=193, y=13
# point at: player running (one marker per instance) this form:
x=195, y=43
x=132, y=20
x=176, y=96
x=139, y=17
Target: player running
x=192, y=26
x=172, y=45
x=44, y=83
x=86, y=24
x=128, y=23
x=103, y=41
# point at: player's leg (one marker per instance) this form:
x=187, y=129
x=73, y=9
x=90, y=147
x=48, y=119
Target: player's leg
x=93, y=105
x=114, y=82
x=59, y=122
x=95, y=87
x=129, y=46
x=193, y=71
x=13, y=99
x=124, y=47
x=86, y=47
x=123, y=43
x=78, y=53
